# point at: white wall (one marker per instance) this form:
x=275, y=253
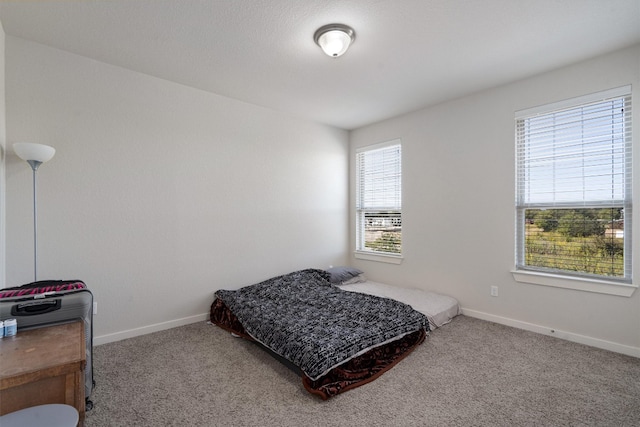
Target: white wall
x=3, y=184
x=458, y=206
x=160, y=194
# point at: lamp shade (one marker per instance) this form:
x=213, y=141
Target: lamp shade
x=334, y=39
x=37, y=152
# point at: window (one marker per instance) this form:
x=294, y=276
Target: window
x=573, y=196
x=379, y=199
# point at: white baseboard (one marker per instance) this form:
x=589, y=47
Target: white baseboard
x=130, y=333
x=569, y=336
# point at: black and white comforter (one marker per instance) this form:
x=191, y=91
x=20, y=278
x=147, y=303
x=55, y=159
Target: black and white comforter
x=304, y=318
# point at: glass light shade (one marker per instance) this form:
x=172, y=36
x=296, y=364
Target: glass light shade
x=334, y=39
x=334, y=43
x=37, y=152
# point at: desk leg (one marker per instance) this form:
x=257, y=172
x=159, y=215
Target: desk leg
x=74, y=392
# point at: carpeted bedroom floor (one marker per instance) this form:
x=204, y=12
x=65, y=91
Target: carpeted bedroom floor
x=467, y=373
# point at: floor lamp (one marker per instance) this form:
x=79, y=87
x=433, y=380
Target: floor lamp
x=35, y=155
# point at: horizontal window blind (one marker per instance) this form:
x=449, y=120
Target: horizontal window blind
x=576, y=156
x=379, y=183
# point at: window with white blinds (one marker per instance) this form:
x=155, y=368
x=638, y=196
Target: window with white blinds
x=379, y=199
x=573, y=196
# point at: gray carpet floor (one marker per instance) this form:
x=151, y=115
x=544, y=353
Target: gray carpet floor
x=467, y=373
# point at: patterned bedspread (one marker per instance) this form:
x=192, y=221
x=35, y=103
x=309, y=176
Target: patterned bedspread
x=304, y=318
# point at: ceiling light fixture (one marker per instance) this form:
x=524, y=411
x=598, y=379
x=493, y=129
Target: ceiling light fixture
x=334, y=39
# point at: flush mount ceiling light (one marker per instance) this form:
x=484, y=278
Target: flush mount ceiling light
x=334, y=39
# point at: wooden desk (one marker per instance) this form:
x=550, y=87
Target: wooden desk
x=44, y=365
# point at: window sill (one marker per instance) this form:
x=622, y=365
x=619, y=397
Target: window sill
x=373, y=256
x=579, y=284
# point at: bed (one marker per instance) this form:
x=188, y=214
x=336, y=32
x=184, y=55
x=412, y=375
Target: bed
x=335, y=334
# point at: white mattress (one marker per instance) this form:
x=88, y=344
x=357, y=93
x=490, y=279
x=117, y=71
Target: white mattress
x=438, y=308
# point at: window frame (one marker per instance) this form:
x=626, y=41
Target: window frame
x=360, y=251
x=566, y=278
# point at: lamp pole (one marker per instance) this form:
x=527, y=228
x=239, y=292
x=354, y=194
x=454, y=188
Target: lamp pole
x=34, y=166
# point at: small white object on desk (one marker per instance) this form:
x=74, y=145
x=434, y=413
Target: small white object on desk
x=10, y=327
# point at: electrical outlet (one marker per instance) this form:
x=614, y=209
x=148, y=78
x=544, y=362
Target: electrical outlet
x=95, y=307
x=494, y=291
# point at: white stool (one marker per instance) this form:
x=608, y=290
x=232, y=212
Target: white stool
x=53, y=415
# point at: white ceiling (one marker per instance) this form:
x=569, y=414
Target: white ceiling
x=408, y=54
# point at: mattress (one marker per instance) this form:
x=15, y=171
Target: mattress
x=438, y=308
x=337, y=339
